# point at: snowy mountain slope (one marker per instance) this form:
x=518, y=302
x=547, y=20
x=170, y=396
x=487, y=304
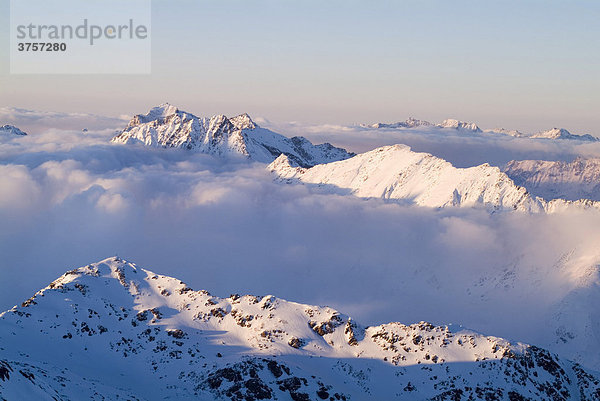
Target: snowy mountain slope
x=579, y=179
x=112, y=330
x=399, y=174
x=396, y=172
x=11, y=130
x=167, y=126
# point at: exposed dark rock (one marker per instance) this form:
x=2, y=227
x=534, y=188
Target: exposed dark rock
x=177, y=333
x=327, y=327
x=5, y=370
x=296, y=342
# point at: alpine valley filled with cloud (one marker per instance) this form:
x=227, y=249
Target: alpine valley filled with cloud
x=171, y=255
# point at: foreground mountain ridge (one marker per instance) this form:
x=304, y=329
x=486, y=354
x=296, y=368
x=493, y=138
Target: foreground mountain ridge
x=112, y=330
x=167, y=126
x=400, y=174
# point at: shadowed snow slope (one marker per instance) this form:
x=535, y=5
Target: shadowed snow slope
x=579, y=179
x=166, y=126
x=112, y=330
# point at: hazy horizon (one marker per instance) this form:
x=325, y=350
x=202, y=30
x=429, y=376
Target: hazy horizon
x=528, y=66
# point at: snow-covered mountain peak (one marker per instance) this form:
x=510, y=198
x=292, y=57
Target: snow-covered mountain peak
x=168, y=127
x=554, y=133
x=457, y=124
x=463, y=126
x=414, y=122
x=156, y=113
x=410, y=122
x=243, y=121
x=561, y=133
x=11, y=130
x=397, y=173
x=112, y=330
x=163, y=110
x=283, y=162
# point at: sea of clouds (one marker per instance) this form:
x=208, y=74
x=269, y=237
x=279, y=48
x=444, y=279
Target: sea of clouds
x=68, y=198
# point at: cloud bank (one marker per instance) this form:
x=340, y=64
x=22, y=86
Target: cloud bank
x=35, y=121
x=68, y=198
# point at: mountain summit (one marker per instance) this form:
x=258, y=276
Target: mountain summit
x=459, y=125
x=408, y=123
x=112, y=330
x=561, y=133
x=397, y=173
x=11, y=130
x=167, y=126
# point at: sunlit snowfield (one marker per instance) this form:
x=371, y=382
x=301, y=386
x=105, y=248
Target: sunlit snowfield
x=225, y=225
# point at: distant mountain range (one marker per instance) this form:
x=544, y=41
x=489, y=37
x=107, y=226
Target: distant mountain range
x=111, y=330
x=167, y=126
x=468, y=127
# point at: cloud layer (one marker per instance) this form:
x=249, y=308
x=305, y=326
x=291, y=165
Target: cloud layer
x=35, y=121
x=68, y=198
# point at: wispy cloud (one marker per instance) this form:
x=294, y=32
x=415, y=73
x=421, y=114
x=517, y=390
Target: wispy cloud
x=35, y=121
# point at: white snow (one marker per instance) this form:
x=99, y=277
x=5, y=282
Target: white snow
x=472, y=128
x=399, y=174
x=167, y=126
x=111, y=329
x=461, y=125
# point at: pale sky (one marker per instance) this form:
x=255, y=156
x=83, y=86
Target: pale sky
x=527, y=65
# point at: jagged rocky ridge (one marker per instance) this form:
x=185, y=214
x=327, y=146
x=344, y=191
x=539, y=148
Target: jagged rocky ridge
x=167, y=126
x=399, y=174
x=112, y=330
x=11, y=130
